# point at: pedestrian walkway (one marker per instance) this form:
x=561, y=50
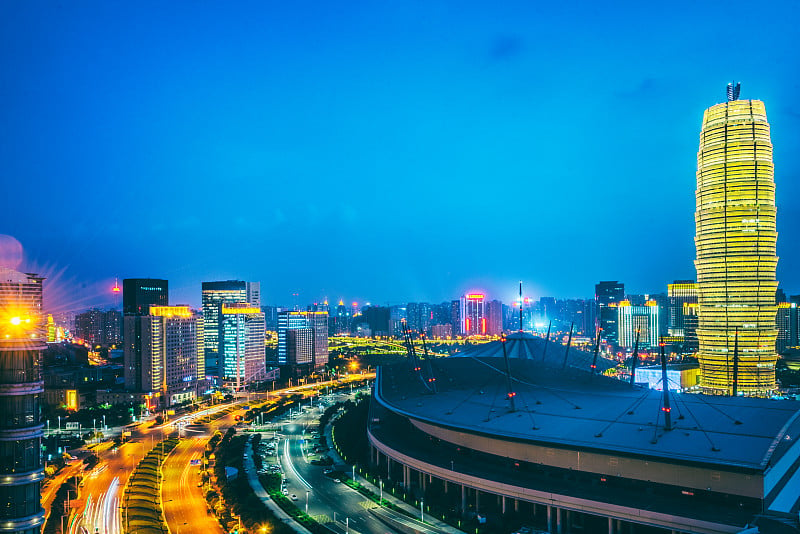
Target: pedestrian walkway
x=252, y=478
x=430, y=520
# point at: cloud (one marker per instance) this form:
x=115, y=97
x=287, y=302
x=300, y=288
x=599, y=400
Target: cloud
x=506, y=47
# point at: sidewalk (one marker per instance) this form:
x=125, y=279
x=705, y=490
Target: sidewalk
x=429, y=519
x=252, y=477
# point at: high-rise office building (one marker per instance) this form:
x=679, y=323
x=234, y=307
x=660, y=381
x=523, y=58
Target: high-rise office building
x=98, y=327
x=607, y=296
x=214, y=296
x=682, y=313
x=300, y=347
x=735, y=241
x=631, y=318
x=169, y=357
x=241, y=347
x=317, y=322
x=788, y=322
x=22, y=339
x=494, y=313
x=138, y=294
x=455, y=317
x=473, y=314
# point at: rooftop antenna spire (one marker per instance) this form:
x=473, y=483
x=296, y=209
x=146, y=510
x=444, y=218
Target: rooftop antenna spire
x=520, y=305
x=428, y=365
x=736, y=362
x=665, y=386
x=635, y=358
x=733, y=91
x=511, y=393
x=546, y=339
x=596, y=350
x=569, y=342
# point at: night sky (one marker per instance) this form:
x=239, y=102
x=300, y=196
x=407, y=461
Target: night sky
x=383, y=151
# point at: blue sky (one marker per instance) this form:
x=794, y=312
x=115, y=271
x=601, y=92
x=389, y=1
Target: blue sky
x=381, y=151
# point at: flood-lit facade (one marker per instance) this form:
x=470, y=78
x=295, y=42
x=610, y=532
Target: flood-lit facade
x=735, y=241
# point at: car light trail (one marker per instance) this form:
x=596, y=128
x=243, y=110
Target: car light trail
x=290, y=464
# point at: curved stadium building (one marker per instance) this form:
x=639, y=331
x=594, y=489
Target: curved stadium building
x=579, y=451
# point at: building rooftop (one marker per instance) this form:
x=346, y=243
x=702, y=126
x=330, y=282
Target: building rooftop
x=572, y=409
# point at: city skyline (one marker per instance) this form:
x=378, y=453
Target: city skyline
x=359, y=144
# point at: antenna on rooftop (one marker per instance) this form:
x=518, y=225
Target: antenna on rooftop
x=635, y=358
x=511, y=393
x=736, y=362
x=596, y=350
x=412, y=355
x=665, y=387
x=569, y=342
x=546, y=339
x=429, y=367
x=733, y=91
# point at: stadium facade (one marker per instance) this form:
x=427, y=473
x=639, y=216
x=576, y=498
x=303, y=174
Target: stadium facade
x=577, y=451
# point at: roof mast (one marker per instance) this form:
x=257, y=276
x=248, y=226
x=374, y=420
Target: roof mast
x=635, y=358
x=569, y=342
x=546, y=339
x=665, y=386
x=511, y=393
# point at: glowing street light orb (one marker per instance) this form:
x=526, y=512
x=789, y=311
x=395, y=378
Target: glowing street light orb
x=16, y=321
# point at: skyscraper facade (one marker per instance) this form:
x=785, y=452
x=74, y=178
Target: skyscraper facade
x=788, y=322
x=735, y=241
x=214, y=296
x=317, y=322
x=169, y=357
x=241, y=347
x=607, y=295
x=631, y=318
x=473, y=314
x=494, y=323
x=138, y=294
x=682, y=311
x=98, y=327
x=22, y=338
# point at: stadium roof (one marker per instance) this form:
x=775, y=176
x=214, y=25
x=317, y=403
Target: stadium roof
x=572, y=409
x=525, y=346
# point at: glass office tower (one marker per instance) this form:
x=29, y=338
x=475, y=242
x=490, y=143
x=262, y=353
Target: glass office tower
x=735, y=241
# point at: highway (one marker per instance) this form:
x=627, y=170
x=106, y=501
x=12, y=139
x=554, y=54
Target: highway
x=182, y=498
x=330, y=502
x=98, y=506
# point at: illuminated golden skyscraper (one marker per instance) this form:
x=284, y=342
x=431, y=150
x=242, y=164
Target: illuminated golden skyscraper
x=735, y=241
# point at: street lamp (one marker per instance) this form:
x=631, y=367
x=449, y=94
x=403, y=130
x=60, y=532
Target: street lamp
x=381, y=484
x=421, y=512
x=307, y=492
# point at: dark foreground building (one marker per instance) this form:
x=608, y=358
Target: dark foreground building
x=21, y=387
x=583, y=453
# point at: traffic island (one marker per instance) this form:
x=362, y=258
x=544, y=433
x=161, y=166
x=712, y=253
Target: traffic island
x=142, y=496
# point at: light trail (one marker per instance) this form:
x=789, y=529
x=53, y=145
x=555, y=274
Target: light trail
x=290, y=464
x=101, y=514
